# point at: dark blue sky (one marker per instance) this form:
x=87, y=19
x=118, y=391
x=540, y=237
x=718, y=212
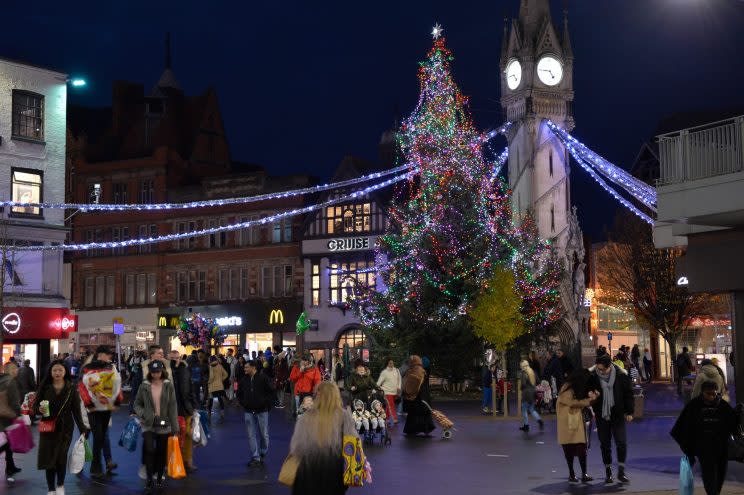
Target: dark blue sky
x=301, y=84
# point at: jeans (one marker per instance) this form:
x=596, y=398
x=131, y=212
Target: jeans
x=487, y=397
x=99, y=421
x=606, y=430
x=714, y=472
x=260, y=421
x=527, y=409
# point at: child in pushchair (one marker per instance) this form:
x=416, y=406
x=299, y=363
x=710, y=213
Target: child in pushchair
x=544, y=397
x=370, y=420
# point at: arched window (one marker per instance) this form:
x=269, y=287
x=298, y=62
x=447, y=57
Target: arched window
x=358, y=343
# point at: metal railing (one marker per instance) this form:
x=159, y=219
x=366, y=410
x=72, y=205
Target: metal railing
x=709, y=150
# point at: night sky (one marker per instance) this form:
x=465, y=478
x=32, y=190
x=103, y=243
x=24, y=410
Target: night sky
x=301, y=84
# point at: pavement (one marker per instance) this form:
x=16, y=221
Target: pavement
x=485, y=455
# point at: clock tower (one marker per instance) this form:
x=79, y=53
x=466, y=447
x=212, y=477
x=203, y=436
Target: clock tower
x=537, y=84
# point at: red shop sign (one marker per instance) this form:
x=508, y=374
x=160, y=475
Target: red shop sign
x=37, y=323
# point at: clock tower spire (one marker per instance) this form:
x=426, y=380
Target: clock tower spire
x=537, y=84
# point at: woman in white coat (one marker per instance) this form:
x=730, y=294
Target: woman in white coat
x=390, y=382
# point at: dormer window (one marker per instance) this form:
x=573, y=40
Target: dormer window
x=349, y=219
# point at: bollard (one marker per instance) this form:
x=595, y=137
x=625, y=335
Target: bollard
x=506, y=400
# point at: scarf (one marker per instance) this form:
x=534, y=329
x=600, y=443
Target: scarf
x=608, y=392
x=412, y=382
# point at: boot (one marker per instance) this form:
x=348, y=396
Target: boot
x=525, y=428
x=585, y=478
x=621, y=475
x=571, y=472
x=608, y=475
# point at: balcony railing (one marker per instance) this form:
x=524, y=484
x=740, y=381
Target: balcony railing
x=700, y=152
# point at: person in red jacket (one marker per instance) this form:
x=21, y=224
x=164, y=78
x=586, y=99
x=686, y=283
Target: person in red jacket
x=305, y=377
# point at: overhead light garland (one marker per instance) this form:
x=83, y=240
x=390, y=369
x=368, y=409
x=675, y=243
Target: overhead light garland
x=214, y=230
x=85, y=207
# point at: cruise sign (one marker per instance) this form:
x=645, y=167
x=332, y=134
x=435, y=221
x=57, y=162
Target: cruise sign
x=348, y=244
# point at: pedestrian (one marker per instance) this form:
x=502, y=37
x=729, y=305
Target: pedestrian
x=684, y=368
x=488, y=378
x=58, y=403
x=415, y=393
x=306, y=377
x=572, y=436
x=528, y=381
x=402, y=370
x=534, y=363
x=195, y=370
x=185, y=406
x=390, y=381
x=136, y=376
x=703, y=430
x=100, y=390
x=647, y=364
x=566, y=366
x=26, y=380
x=708, y=372
x=216, y=388
x=361, y=384
x=157, y=410
x=233, y=373
x=256, y=395
x=9, y=389
x=612, y=408
x=107, y=456
x=635, y=356
x=554, y=372
x=317, y=441
x=281, y=375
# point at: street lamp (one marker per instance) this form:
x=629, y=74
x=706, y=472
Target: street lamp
x=78, y=82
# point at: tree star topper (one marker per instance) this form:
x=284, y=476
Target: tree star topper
x=437, y=31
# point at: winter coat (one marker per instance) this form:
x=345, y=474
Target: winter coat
x=705, y=428
x=566, y=366
x=217, y=376
x=528, y=388
x=554, y=369
x=571, y=427
x=684, y=364
x=708, y=373
x=9, y=386
x=66, y=409
x=26, y=381
x=305, y=381
x=181, y=377
x=99, y=386
x=361, y=386
x=413, y=380
x=255, y=393
x=144, y=407
x=390, y=381
x=623, y=391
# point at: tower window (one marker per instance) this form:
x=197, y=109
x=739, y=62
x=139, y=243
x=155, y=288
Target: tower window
x=552, y=218
x=550, y=163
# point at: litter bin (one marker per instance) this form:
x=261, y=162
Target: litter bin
x=638, y=402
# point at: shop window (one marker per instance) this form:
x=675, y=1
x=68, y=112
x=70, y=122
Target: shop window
x=349, y=218
x=110, y=290
x=130, y=290
x=141, y=289
x=344, y=277
x=90, y=291
x=152, y=289
x=26, y=187
x=28, y=115
x=358, y=344
x=315, y=283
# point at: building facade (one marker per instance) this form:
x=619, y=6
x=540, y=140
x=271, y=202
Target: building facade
x=33, y=111
x=164, y=146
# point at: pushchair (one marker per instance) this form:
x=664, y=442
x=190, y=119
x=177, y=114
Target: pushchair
x=371, y=420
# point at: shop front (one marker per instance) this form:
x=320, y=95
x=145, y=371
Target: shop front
x=36, y=333
x=253, y=325
x=97, y=328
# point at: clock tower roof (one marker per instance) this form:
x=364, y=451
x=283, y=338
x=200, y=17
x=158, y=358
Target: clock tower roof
x=532, y=16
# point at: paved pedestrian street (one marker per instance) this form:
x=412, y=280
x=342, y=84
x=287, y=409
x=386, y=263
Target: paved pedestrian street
x=485, y=455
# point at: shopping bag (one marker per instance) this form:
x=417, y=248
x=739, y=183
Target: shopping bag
x=175, y=461
x=19, y=437
x=76, y=461
x=204, y=421
x=288, y=472
x=355, y=473
x=88, y=452
x=129, y=434
x=686, y=481
x=195, y=429
x=203, y=435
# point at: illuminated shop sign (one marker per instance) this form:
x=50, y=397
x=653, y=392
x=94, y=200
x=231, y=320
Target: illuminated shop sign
x=11, y=323
x=276, y=317
x=348, y=244
x=229, y=321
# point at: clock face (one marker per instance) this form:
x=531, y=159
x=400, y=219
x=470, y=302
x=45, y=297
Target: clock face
x=550, y=70
x=513, y=74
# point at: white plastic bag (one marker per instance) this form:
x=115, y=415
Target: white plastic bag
x=76, y=462
x=203, y=435
x=196, y=431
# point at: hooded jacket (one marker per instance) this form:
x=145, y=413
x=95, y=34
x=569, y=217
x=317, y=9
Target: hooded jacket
x=181, y=376
x=708, y=373
x=100, y=386
x=305, y=381
x=217, y=376
x=144, y=407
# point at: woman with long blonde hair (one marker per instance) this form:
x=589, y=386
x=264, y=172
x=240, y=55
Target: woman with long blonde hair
x=528, y=380
x=317, y=442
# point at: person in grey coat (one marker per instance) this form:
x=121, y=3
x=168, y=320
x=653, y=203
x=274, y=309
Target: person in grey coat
x=157, y=409
x=528, y=380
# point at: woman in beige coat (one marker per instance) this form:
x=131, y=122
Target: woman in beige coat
x=572, y=399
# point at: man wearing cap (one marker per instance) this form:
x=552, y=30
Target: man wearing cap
x=100, y=390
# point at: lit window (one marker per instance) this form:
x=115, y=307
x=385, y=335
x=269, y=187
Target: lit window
x=26, y=188
x=344, y=278
x=315, y=283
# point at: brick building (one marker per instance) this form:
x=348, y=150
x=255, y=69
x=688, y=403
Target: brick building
x=164, y=146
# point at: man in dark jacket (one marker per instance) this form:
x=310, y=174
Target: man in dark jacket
x=684, y=367
x=256, y=395
x=566, y=367
x=553, y=369
x=185, y=404
x=612, y=408
x=10, y=388
x=703, y=430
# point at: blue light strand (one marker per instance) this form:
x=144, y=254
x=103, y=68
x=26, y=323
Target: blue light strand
x=214, y=230
x=86, y=207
